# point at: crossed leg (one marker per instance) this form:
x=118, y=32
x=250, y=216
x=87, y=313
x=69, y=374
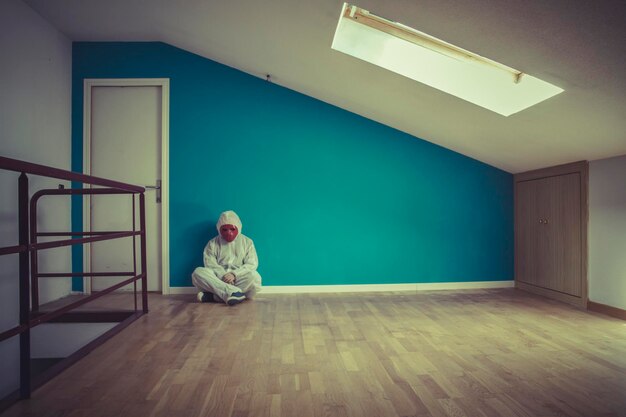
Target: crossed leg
x=205, y=280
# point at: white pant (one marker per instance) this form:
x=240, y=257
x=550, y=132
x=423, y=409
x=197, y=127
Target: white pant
x=205, y=280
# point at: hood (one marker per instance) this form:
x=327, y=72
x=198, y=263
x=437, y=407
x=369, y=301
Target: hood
x=229, y=217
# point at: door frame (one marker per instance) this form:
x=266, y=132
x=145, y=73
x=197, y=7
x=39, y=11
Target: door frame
x=164, y=83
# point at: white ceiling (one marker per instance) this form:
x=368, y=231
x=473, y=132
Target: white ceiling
x=578, y=45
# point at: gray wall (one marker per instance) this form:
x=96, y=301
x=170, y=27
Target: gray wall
x=35, y=87
x=607, y=231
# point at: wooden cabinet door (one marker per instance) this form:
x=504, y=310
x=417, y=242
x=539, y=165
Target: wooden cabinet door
x=527, y=232
x=563, y=235
x=545, y=266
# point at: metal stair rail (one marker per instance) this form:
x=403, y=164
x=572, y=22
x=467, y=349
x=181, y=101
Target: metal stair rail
x=28, y=247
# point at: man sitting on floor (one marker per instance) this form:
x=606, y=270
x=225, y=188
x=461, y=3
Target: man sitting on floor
x=230, y=262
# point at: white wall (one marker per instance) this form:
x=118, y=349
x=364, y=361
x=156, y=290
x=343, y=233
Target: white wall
x=35, y=88
x=607, y=231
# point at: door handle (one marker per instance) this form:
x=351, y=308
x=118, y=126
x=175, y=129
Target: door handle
x=156, y=187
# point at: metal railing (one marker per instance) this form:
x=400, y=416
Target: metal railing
x=29, y=245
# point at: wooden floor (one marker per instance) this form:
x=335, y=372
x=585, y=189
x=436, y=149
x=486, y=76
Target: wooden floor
x=493, y=353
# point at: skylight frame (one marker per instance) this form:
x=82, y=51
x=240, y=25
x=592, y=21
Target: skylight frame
x=427, y=59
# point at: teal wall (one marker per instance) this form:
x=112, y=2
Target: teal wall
x=329, y=197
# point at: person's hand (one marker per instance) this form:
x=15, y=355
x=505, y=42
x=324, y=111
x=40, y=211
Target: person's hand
x=229, y=278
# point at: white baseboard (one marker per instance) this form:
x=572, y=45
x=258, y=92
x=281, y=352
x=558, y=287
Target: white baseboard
x=311, y=289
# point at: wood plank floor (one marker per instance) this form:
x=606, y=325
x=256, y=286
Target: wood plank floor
x=491, y=353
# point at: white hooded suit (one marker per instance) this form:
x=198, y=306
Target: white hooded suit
x=221, y=257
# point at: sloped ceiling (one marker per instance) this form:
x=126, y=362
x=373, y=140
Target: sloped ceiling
x=578, y=45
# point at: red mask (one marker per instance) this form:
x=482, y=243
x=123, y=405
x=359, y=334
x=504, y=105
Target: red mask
x=228, y=232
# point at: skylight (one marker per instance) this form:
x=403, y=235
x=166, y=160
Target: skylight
x=441, y=65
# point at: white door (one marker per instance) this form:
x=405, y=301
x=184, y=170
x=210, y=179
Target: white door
x=124, y=144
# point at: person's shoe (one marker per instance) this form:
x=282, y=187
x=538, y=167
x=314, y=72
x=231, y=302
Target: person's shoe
x=205, y=297
x=235, y=298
